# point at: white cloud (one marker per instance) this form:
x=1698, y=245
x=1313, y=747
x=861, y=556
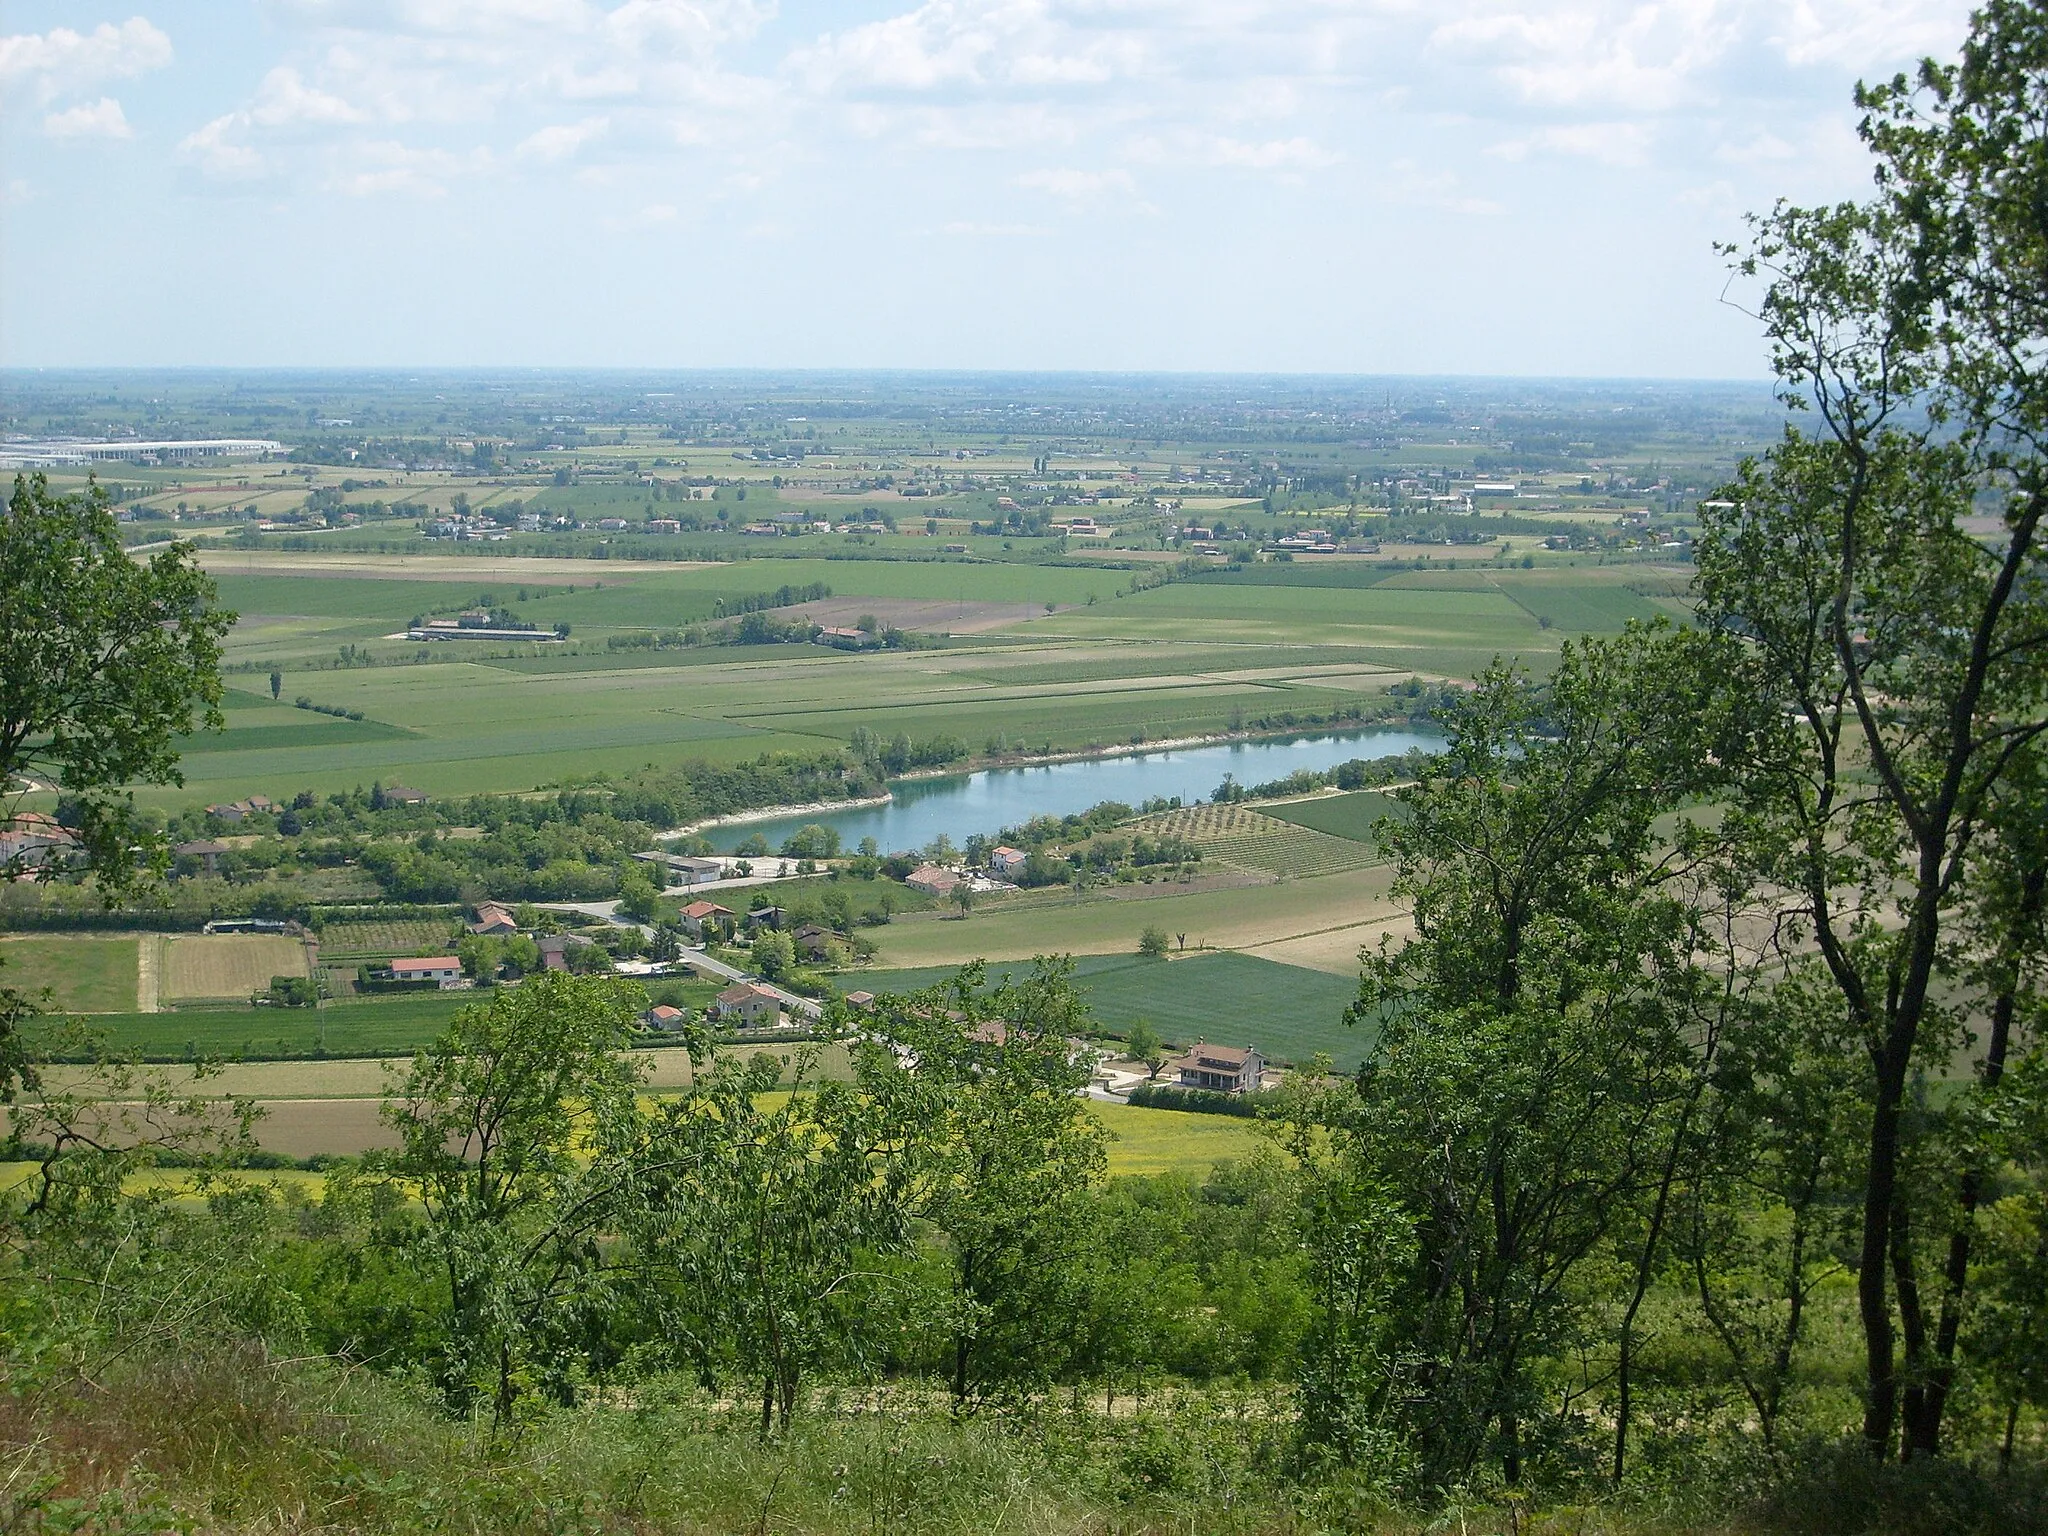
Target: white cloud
x=218, y=152
x=1866, y=34
x=1616, y=144
x=1078, y=186
x=389, y=166
x=102, y=119
x=976, y=45
x=285, y=98
x=559, y=141
x=61, y=61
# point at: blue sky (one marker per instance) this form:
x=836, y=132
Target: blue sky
x=1369, y=186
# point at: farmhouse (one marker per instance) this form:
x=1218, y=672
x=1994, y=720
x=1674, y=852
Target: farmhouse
x=1007, y=861
x=399, y=794
x=813, y=941
x=205, y=850
x=932, y=880
x=32, y=839
x=241, y=810
x=494, y=918
x=554, y=950
x=860, y=1000
x=665, y=1016
x=707, y=919
x=1221, y=1068
x=750, y=1004
x=445, y=971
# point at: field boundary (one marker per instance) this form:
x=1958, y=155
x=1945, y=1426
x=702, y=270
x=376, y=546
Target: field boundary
x=149, y=957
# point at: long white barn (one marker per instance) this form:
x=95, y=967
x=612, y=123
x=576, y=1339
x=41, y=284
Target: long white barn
x=54, y=452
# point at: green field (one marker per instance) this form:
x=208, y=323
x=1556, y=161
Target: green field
x=1191, y=658
x=83, y=974
x=387, y=1026
x=1349, y=816
x=1155, y=1141
x=1288, y=1012
x=1239, y=918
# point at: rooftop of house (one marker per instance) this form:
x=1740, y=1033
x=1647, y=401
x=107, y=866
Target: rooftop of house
x=749, y=991
x=697, y=911
x=1232, y=1057
x=423, y=963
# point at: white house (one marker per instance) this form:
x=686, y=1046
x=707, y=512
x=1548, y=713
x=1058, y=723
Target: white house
x=443, y=970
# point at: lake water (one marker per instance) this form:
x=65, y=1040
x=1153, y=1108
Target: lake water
x=960, y=805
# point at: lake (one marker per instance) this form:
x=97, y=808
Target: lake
x=959, y=805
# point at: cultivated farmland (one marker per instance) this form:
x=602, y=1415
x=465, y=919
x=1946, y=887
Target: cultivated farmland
x=83, y=974
x=1288, y=1012
x=1247, y=839
x=205, y=967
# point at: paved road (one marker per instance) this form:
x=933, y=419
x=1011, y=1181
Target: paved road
x=607, y=911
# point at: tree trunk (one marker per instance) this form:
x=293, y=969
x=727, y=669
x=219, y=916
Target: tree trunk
x=1873, y=1295
x=1956, y=1273
x=1913, y=1325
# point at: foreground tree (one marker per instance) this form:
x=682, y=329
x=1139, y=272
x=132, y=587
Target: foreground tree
x=104, y=663
x=521, y=1137
x=1007, y=1157
x=1543, y=1042
x=1885, y=573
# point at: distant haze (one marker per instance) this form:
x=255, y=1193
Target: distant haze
x=1504, y=187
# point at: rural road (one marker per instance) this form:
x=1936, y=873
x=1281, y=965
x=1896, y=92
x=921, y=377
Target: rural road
x=607, y=911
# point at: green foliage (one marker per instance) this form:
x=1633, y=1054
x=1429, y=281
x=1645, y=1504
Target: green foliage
x=517, y=1136
x=104, y=663
x=1010, y=1157
x=1904, y=650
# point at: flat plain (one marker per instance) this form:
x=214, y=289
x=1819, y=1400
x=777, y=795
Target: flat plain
x=1193, y=657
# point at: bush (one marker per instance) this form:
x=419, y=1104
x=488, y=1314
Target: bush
x=1197, y=1101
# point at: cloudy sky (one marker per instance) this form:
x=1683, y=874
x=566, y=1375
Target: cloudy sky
x=1359, y=186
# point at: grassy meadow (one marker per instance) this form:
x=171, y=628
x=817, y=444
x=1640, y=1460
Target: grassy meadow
x=82, y=973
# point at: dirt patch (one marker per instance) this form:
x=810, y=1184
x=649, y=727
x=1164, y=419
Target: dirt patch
x=909, y=613
x=339, y=1127
x=1337, y=950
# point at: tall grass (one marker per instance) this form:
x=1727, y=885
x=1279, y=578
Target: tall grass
x=234, y=1442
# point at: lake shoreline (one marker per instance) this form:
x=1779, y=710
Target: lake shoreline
x=983, y=766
